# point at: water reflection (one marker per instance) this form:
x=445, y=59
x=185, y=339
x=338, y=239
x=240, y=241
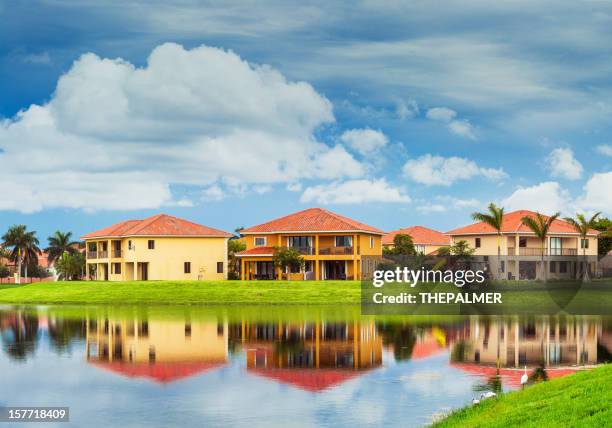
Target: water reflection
x=312, y=355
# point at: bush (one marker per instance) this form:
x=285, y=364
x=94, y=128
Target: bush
x=4, y=271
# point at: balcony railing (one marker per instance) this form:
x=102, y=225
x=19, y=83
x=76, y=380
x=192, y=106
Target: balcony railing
x=102, y=254
x=92, y=254
x=525, y=251
x=303, y=250
x=117, y=254
x=336, y=250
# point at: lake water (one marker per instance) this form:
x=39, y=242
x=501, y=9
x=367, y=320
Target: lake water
x=266, y=366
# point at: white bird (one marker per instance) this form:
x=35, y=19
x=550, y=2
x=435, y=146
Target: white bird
x=524, y=378
x=475, y=401
x=487, y=394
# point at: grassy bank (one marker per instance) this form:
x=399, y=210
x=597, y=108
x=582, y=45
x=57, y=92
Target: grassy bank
x=582, y=399
x=185, y=292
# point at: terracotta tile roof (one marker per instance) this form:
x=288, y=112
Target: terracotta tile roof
x=512, y=224
x=256, y=251
x=420, y=235
x=159, y=372
x=158, y=225
x=313, y=380
x=312, y=220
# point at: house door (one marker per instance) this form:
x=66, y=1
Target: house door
x=144, y=271
x=106, y=272
x=335, y=269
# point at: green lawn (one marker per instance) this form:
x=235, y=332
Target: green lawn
x=186, y=292
x=580, y=400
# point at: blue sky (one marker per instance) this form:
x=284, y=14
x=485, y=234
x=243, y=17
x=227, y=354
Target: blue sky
x=395, y=114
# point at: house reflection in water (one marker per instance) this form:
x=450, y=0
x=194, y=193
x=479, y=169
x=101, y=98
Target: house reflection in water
x=163, y=350
x=560, y=345
x=311, y=356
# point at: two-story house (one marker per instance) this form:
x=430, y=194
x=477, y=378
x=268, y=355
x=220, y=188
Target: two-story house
x=161, y=247
x=521, y=250
x=425, y=240
x=332, y=246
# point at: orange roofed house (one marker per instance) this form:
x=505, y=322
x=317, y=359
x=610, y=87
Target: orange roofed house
x=426, y=241
x=521, y=249
x=332, y=246
x=161, y=247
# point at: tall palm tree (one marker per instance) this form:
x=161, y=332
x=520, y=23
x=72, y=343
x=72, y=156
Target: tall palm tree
x=540, y=225
x=495, y=219
x=582, y=226
x=59, y=244
x=23, y=245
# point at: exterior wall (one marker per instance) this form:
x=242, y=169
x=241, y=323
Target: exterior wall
x=166, y=260
x=488, y=244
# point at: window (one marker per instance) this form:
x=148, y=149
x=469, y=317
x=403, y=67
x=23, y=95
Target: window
x=260, y=241
x=562, y=267
x=553, y=267
x=584, y=243
x=419, y=248
x=130, y=245
x=219, y=267
x=116, y=268
x=503, y=266
x=187, y=267
x=151, y=244
x=344, y=241
x=477, y=242
x=523, y=242
x=295, y=268
x=308, y=266
x=555, y=247
x=371, y=242
x=187, y=330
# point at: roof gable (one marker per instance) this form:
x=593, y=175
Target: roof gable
x=157, y=225
x=312, y=220
x=512, y=224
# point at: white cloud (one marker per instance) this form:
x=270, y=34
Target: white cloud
x=354, y=192
x=597, y=195
x=406, y=110
x=605, y=149
x=441, y=114
x=115, y=136
x=294, y=187
x=262, y=189
x=438, y=170
x=463, y=128
x=213, y=193
x=446, y=203
x=561, y=163
x=547, y=198
x=365, y=141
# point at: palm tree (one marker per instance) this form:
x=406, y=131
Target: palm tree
x=59, y=244
x=495, y=219
x=583, y=226
x=540, y=225
x=23, y=245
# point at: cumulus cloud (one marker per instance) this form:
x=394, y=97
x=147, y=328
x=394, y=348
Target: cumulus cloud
x=294, y=187
x=463, y=128
x=365, y=141
x=446, y=203
x=437, y=170
x=116, y=136
x=562, y=163
x=597, y=195
x=354, y=192
x=604, y=149
x=547, y=198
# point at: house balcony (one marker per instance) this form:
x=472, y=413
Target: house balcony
x=116, y=254
x=336, y=251
x=307, y=251
x=102, y=254
x=92, y=254
x=527, y=251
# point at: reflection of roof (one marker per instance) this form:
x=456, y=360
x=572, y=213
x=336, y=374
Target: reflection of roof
x=510, y=377
x=257, y=251
x=158, y=225
x=158, y=372
x=419, y=234
x=312, y=220
x=512, y=224
x=426, y=349
x=313, y=380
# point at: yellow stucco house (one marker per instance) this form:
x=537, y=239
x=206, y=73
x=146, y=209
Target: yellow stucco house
x=521, y=250
x=332, y=246
x=161, y=247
